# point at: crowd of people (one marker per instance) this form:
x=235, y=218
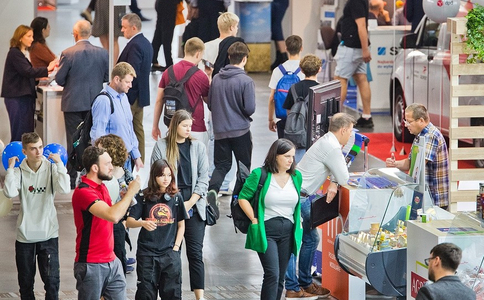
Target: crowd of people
x=187, y=172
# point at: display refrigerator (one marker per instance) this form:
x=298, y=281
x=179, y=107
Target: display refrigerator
x=373, y=244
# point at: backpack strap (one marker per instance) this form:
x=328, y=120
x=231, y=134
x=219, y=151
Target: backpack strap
x=283, y=70
x=104, y=93
x=297, y=71
x=294, y=93
x=262, y=180
x=188, y=74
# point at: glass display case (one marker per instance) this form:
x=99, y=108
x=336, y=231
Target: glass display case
x=373, y=243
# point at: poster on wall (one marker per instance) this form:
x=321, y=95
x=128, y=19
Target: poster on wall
x=46, y=4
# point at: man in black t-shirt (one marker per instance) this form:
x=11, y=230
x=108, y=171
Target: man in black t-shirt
x=353, y=55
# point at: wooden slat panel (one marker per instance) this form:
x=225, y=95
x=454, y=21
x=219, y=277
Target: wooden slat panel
x=467, y=154
x=467, y=174
x=457, y=25
x=467, y=132
x=466, y=69
x=458, y=47
x=467, y=111
x=463, y=196
x=466, y=90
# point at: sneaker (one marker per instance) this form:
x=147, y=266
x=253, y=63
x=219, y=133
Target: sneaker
x=130, y=261
x=87, y=15
x=301, y=294
x=315, y=289
x=212, y=200
x=364, y=123
x=225, y=192
x=156, y=67
x=129, y=269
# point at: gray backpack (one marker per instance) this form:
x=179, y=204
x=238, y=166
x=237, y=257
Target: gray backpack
x=296, y=122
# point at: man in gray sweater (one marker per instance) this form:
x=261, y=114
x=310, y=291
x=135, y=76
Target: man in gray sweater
x=231, y=100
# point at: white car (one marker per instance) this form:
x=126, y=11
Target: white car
x=421, y=75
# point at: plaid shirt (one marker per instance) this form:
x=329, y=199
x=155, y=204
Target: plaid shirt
x=436, y=167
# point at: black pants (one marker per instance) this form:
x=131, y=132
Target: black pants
x=241, y=147
x=21, y=115
x=278, y=9
x=71, y=121
x=119, y=233
x=159, y=274
x=47, y=255
x=281, y=124
x=280, y=240
x=208, y=13
x=165, y=25
x=194, y=236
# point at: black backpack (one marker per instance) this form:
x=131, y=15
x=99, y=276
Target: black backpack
x=82, y=138
x=241, y=221
x=296, y=122
x=175, y=97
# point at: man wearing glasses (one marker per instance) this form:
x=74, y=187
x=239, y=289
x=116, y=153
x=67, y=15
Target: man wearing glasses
x=443, y=262
x=436, y=155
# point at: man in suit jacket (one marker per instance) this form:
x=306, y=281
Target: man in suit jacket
x=82, y=71
x=138, y=53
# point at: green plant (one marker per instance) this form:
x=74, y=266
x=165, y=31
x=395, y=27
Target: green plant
x=475, y=33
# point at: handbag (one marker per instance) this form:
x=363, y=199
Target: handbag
x=211, y=217
x=321, y=211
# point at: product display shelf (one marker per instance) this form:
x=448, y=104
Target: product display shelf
x=373, y=243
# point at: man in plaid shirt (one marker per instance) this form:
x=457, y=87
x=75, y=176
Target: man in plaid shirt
x=436, y=155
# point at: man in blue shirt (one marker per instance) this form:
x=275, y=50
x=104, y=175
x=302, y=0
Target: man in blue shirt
x=120, y=121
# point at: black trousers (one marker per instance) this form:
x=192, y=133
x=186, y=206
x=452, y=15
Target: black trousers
x=119, y=232
x=71, y=121
x=208, y=13
x=241, y=147
x=194, y=236
x=47, y=255
x=165, y=25
x=280, y=241
x=21, y=115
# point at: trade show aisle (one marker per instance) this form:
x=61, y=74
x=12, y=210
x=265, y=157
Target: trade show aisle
x=231, y=271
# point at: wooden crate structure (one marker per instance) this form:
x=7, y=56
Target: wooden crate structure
x=457, y=28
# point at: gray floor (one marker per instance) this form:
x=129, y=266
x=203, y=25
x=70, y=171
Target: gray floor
x=231, y=272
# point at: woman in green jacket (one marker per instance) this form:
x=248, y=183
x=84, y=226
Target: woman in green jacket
x=277, y=231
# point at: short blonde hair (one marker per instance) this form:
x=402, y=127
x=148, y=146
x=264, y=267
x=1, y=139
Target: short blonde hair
x=194, y=45
x=122, y=69
x=227, y=20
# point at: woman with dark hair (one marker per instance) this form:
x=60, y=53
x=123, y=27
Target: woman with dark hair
x=277, y=231
x=18, y=87
x=188, y=158
x=161, y=214
x=117, y=187
x=40, y=54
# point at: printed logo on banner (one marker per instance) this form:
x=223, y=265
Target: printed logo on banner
x=382, y=50
x=417, y=282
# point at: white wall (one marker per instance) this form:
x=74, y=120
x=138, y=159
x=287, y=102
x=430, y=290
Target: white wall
x=302, y=18
x=13, y=13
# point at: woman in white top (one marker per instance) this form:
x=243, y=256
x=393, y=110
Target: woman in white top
x=276, y=231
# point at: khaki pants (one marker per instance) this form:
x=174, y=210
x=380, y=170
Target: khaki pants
x=138, y=127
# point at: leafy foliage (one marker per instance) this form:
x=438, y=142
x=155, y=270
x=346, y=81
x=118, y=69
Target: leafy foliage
x=475, y=33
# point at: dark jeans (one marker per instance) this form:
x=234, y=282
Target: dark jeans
x=21, y=115
x=281, y=125
x=71, y=121
x=208, y=13
x=165, y=25
x=160, y=274
x=119, y=232
x=241, y=147
x=278, y=9
x=47, y=254
x=194, y=235
x=280, y=240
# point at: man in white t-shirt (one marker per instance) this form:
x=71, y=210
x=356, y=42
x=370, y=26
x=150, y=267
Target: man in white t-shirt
x=228, y=25
x=294, y=48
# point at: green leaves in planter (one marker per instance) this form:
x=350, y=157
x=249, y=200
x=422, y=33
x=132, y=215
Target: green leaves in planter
x=475, y=33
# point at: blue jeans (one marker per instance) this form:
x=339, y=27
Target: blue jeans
x=310, y=240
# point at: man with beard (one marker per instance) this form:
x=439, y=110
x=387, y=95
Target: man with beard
x=443, y=262
x=97, y=269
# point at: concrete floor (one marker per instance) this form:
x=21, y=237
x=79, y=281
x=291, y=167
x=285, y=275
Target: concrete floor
x=231, y=272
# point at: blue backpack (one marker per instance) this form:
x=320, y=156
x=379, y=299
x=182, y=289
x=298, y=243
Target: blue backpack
x=288, y=79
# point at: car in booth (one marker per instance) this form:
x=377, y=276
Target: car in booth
x=421, y=75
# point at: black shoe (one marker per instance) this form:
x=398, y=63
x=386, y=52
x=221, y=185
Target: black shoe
x=212, y=200
x=155, y=68
x=144, y=19
x=364, y=123
x=87, y=15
